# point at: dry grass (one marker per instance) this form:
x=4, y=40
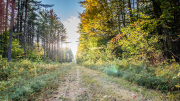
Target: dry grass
x=102, y=87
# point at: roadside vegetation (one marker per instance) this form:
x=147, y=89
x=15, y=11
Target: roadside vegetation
x=100, y=86
x=27, y=80
x=32, y=59
x=134, y=40
x=138, y=75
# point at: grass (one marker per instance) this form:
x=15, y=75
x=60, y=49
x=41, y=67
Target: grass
x=63, y=98
x=149, y=94
x=95, y=91
x=100, y=89
x=160, y=78
x=26, y=80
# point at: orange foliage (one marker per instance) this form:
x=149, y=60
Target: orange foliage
x=116, y=38
x=135, y=24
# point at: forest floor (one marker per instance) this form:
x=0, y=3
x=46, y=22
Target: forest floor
x=83, y=84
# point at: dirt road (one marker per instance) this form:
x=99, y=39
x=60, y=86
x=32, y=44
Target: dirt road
x=83, y=84
x=69, y=89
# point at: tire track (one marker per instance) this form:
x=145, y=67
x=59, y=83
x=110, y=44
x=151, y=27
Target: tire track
x=69, y=89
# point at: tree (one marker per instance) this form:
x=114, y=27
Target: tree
x=25, y=30
x=30, y=25
x=11, y=30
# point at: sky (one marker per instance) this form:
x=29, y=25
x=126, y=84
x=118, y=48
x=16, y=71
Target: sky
x=68, y=11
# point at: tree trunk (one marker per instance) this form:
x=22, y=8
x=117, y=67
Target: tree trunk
x=2, y=16
x=44, y=49
x=66, y=53
x=32, y=36
x=61, y=53
x=5, y=34
x=6, y=23
x=158, y=13
x=27, y=36
x=32, y=44
x=21, y=22
x=11, y=31
x=137, y=9
x=130, y=10
x=58, y=48
x=48, y=52
x=47, y=46
x=18, y=18
x=123, y=17
x=52, y=52
x=25, y=29
x=38, y=40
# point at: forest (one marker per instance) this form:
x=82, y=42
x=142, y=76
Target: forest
x=31, y=36
x=129, y=50
x=137, y=40
x=32, y=30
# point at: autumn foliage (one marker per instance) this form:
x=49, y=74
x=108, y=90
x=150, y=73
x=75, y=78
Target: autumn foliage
x=134, y=36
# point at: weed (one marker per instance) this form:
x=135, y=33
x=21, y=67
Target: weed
x=164, y=77
x=27, y=79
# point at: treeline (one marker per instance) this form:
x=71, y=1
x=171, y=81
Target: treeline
x=137, y=37
x=31, y=30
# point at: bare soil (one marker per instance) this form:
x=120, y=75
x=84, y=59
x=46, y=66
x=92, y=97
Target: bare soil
x=72, y=89
x=68, y=89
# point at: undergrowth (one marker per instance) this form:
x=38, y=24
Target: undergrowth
x=164, y=77
x=25, y=80
x=119, y=88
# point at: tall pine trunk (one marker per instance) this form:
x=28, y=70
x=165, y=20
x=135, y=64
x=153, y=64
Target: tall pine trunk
x=32, y=36
x=11, y=31
x=52, y=51
x=61, y=49
x=6, y=22
x=48, y=51
x=18, y=19
x=25, y=29
x=44, y=50
x=38, y=40
x=21, y=22
x=130, y=10
x=58, y=48
x=5, y=34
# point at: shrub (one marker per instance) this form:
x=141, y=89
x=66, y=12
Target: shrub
x=141, y=74
x=17, y=51
x=21, y=86
x=36, y=54
x=4, y=71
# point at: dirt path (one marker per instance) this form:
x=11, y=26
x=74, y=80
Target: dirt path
x=69, y=89
x=84, y=84
x=113, y=90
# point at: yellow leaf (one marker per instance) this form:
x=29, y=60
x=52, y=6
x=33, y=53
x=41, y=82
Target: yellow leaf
x=177, y=86
x=179, y=74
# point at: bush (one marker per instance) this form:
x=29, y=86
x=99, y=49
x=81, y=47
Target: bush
x=17, y=51
x=36, y=54
x=28, y=78
x=141, y=74
x=4, y=69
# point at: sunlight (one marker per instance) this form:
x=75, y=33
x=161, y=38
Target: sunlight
x=63, y=45
x=126, y=50
x=71, y=28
